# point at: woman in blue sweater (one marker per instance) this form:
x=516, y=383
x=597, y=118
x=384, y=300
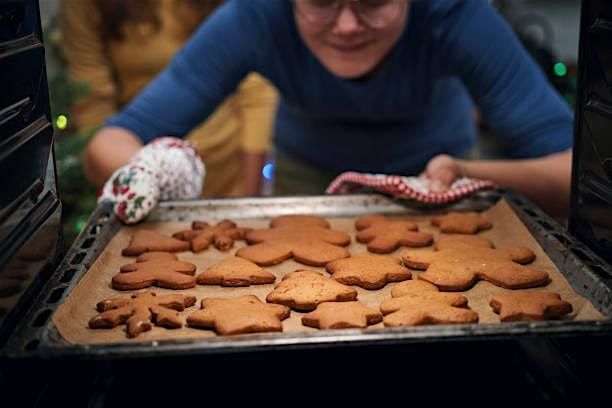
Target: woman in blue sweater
x=379, y=86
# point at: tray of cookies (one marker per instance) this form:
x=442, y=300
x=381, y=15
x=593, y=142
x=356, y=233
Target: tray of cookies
x=228, y=275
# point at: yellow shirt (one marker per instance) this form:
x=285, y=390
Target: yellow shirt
x=114, y=72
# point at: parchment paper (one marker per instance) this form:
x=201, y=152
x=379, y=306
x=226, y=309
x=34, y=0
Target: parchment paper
x=72, y=316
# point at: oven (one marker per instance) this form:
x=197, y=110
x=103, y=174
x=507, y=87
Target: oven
x=513, y=361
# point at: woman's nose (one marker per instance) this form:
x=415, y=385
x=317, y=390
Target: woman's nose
x=347, y=21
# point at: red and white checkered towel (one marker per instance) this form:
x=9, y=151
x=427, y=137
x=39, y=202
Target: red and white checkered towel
x=414, y=188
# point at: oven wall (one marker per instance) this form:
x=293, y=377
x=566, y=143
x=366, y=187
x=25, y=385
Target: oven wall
x=30, y=233
x=591, y=211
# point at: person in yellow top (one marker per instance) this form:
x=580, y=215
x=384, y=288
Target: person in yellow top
x=115, y=47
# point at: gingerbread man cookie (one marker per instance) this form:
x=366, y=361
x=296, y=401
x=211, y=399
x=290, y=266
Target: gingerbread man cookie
x=303, y=290
x=529, y=306
x=368, y=271
x=461, y=222
x=221, y=235
x=458, y=269
x=421, y=303
x=244, y=314
x=235, y=272
x=146, y=240
x=156, y=270
x=341, y=315
x=383, y=235
x=301, y=240
x=140, y=311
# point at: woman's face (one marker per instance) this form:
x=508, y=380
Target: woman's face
x=350, y=38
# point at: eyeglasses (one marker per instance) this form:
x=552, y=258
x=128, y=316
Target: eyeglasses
x=373, y=13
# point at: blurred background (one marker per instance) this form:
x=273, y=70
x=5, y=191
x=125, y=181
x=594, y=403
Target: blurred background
x=548, y=29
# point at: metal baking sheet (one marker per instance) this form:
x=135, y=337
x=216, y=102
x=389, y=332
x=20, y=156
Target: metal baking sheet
x=585, y=272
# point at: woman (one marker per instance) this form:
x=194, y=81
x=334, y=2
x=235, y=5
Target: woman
x=115, y=48
x=377, y=86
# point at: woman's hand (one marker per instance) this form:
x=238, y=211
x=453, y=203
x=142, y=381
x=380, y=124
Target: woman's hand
x=442, y=171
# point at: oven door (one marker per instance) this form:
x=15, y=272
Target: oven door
x=30, y=210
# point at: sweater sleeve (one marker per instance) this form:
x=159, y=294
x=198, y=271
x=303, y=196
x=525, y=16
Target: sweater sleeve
x=89, y=67
x=515, y=97
x=202, y=74
x=257, y=99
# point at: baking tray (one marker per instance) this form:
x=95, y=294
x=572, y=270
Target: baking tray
x=589, y=276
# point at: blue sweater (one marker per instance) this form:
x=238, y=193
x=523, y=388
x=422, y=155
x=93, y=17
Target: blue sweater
x=416, y=105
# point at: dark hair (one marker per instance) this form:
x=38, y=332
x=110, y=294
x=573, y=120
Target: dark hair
x=117, y=13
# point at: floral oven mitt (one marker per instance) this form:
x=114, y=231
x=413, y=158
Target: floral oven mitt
x=166, y=169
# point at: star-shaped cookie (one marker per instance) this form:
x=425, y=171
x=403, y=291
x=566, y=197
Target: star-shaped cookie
x=235, y=272
x=529, y=306
x=384, y=236
x=461, y=222
x=341, y=315
x=368, y=271
x=139, y=311
x=303, y=290
x=460, y=269
x=239, y=315
x=421, y=303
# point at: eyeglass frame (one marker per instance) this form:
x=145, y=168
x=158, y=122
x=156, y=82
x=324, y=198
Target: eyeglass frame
x=339, y=7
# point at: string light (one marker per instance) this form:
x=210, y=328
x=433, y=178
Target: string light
x=268, y=171
x=560, y=69
x=61, y=122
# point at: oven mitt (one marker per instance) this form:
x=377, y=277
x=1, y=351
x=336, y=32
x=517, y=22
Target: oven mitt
x=166, y=169
x=413, y=188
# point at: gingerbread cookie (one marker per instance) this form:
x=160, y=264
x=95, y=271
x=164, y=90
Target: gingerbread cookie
x=462, y=241
x=368, y=271
x=244, y=314
x=146, y=241
x=140, y=311
x=235, y=272
x=303, y=290
x=461, y=223
x=383, y=235
x=529, y=306
x=157, y=270
x=459, y=269
x=421, y=303
x=299, y=220
x=427, y=292
x=221, y=235
x=341, y=315
x=301, y=240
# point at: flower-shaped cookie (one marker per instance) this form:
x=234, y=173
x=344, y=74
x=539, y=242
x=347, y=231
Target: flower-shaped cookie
x=139, y=311
x=221, y=235
x=529, y=306
x=459, y=269
x=341, y=315
x=417, y=303
x=303, y=290
x=368, y=271
x=295, y=238
x=383, y=235
x=244, y=314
